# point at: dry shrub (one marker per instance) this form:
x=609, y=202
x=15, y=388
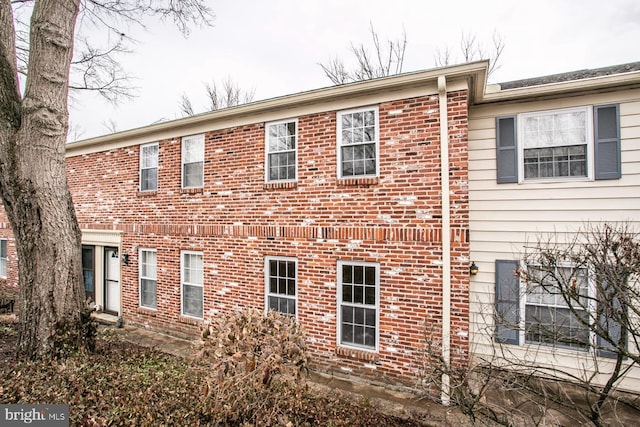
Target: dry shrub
x=256, y=366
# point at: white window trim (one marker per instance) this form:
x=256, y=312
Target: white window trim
x=339, y=141
x=590, y=145
x=6, y=258
x=591, y=291
x=267, y=294
x=182, y=283
x=141, y=168
x=266, y=150
x=140, y=277
x=186, y=138
x=339, y=306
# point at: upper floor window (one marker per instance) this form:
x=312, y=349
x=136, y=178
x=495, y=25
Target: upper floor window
x=581, y=142
x=148, y=278
x=192, y=279
x=149, y=167
x=3, y=258
x=281, y=278
x=358, y=304
x=555, y=143
x=193, y=161
x=358, y=143
x=281, y=148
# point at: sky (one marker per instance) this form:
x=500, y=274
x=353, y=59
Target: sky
x=274, y=47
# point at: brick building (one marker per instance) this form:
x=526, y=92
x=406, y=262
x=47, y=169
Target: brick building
x=326, y=205
x=357, y=208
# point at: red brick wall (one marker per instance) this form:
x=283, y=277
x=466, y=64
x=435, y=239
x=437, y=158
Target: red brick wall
x=237, y=220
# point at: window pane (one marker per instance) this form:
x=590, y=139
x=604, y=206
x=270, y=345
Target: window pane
x=347, y=274
x=193, y=150
x=358, y=276
x=192, y=175
x=149, y=157
x=148, y=293
x=347, y=293
x=370, y=295
x=358, y=294
x=149, y=179
x=192, y=300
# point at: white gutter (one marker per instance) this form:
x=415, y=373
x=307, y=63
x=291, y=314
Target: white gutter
x=446, y=238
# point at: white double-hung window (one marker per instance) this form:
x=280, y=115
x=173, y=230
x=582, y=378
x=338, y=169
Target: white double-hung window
x=281, y=147
x=358, y=143
x=192, y=284
x=193, y=161
x=358, y=304
x=148, y=278
x=556, y=143
x=149, y=167
x=281, y=277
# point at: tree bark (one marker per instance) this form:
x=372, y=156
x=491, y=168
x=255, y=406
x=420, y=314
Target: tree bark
x=33, y=182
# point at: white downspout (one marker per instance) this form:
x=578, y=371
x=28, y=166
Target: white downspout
x=446, y=238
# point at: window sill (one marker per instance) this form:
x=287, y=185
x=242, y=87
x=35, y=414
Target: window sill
x=149, y=193
x=280, y=185
x=190, y=320
x=356, y=354
x=198, y=190
x=147, y=311
x=358, y=182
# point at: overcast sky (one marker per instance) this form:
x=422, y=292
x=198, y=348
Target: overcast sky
x=275, y=46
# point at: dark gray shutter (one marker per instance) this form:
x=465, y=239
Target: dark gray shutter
x=506, y=149
x=607, y=142
x=507, y=302
x=609, y=311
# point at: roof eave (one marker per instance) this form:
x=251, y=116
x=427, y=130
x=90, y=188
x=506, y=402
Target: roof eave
x=475, y=71
x=562, y=88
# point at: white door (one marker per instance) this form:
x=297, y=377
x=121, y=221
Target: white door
x=112, y=280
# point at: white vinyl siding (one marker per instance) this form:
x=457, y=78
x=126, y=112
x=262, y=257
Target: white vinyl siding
x=504, y=217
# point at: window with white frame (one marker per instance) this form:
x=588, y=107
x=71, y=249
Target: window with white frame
x=281, y=277
x=3, y=258
x=572, y=143
x=548, y=316
x=555, y=143
x=193, y=161
x=192, y=284
x=358, y=142
x=148, y=278
x=358, y=304
x=149, y=167
x=281, y=147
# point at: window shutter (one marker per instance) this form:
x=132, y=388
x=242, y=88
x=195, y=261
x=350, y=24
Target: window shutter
x=506, y=150
x=607, y=313
x=607, y=142
x=507, y=302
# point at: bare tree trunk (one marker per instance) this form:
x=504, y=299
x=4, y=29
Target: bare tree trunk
x=33, y=182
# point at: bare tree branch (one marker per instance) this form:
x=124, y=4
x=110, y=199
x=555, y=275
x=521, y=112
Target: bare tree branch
x=228, y=94
x=471, y=49
x=387, y=59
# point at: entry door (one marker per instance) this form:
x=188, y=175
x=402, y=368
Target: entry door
x=111, y=280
